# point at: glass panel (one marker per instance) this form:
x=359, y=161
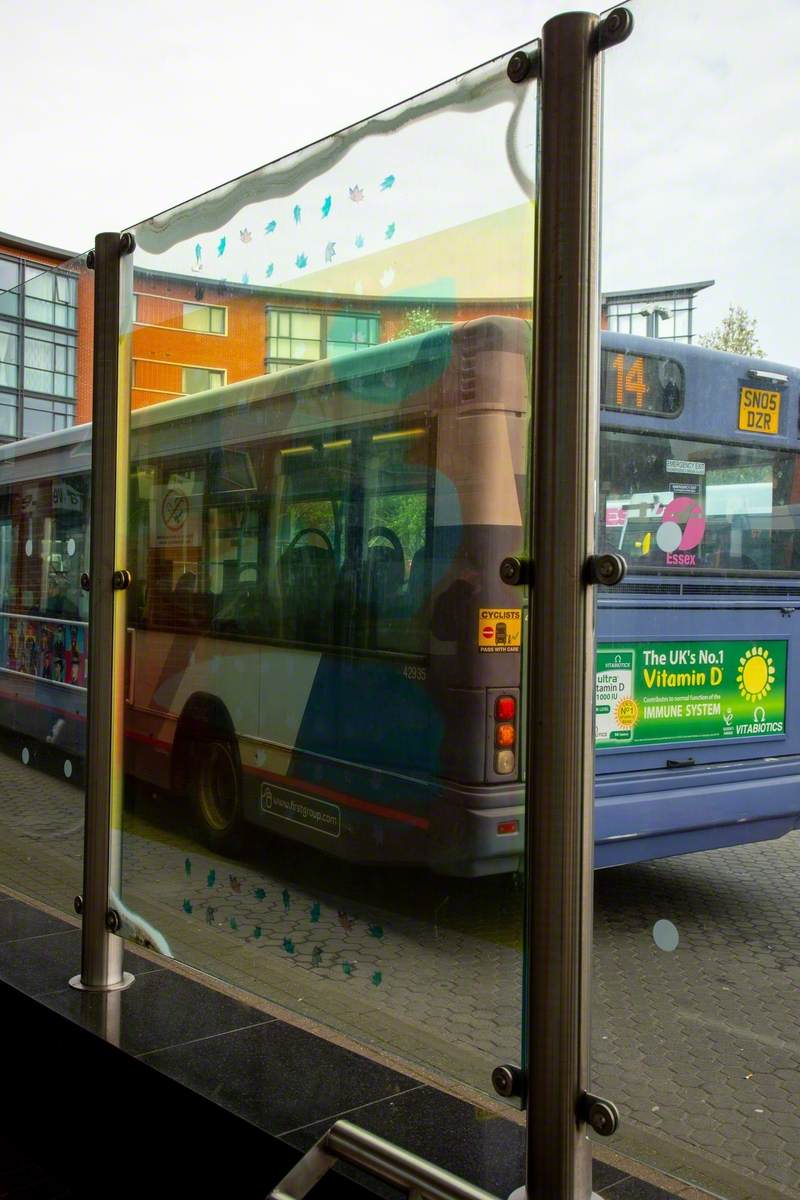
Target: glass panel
x=9, y=287
x=322, y=807
x=44, y=549
x=697, y=917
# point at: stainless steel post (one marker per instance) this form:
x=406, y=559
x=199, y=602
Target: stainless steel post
x=560, y=648
x=101, y=952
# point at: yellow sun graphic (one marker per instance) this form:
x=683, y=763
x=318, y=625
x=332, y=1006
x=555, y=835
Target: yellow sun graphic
x=627, y=712
x=756, y=673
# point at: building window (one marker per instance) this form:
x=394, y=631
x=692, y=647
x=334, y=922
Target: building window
x=167, y=313
x=9, y=354
x=200, y=379
x=297, y=337
x=204, y=318
x=38, y=348
x=50, y=361
x=670, y=318
x=43, y=416
x=9, y=287
x=50, y=298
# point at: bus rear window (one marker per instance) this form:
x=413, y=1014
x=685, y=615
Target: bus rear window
x=644, y=383
x=675, y=503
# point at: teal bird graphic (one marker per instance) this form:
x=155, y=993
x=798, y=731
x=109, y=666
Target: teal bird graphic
x=270, y=227
x=211, y=878
x=330, y=252
x=387, y=183
x=390, y=231
x=187, y=906
x=301, y=261
x=187, y=866
x=260, y=894
x=316, y=956
x=269, y=270
x=288, y=945
x=377, y=978
x=221, y=247
x=245, y=278
x=211, y=913
x=296, y=212
x=326, y=206
x=198, y=253
x=376, y=931
x=359, y=241
x=315, y=911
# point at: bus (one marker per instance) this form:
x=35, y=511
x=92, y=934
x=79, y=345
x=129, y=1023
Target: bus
x=319, y=639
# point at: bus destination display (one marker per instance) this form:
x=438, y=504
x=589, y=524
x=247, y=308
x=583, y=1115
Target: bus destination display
x=645, y=383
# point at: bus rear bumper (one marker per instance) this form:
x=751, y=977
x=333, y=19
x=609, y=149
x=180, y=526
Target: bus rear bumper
x=472, y=842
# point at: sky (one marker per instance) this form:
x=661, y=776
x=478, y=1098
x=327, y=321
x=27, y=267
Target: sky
x=114, y=113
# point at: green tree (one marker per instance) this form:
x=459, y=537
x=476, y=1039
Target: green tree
x=420, y=319
x=735, y=333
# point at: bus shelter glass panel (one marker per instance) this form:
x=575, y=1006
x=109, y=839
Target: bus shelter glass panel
x=46, y=320
x=696, y=1009
x=329, y=413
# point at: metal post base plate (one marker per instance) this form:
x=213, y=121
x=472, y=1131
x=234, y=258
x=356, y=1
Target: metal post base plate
x=126, y=981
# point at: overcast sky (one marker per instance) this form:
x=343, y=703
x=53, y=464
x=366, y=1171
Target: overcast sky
x=112, y=113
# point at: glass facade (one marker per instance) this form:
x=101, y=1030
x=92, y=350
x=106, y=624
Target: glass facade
x=38, y=348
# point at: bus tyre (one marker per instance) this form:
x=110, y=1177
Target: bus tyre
x=218, y=794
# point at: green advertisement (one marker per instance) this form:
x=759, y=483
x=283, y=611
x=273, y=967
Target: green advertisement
x=654, y=692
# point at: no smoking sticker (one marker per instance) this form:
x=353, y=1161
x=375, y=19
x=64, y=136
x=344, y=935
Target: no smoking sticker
x=499, y=630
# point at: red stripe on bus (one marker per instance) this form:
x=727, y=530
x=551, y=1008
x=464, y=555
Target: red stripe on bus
x=378, y=810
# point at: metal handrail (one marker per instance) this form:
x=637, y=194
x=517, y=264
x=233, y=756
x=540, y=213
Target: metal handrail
x=349, y=1143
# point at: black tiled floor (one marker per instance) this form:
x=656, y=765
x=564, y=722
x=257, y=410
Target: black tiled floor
x=635, y=1189
x=604, y=1175
x=279, y=1077
x=161, y=1009
x=19, y=920
x=469, y=1141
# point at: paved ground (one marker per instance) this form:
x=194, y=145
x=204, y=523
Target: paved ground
x=699, y=1046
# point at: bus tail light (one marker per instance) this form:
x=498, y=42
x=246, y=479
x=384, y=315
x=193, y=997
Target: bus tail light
x=505, y=708
x=508, y=826
x=505, y=735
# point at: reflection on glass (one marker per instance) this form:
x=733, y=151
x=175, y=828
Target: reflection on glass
x=698, y=806
x=44, y=549
x=330, y=388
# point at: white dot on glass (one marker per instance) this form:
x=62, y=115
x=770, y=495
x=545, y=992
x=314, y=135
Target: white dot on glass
x=26, y=755
x=29, y=547
x=67, y=768
x=665, y=935
x=70, y=546
x=668, y=536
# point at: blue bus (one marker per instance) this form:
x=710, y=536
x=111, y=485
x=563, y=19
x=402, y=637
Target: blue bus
x=320, y=642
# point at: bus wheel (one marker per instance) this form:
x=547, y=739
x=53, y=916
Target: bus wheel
x=218, y=794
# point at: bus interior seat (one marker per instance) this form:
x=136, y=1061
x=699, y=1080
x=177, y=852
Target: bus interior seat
x=308, y=581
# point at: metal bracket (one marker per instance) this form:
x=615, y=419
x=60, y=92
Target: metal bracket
x=615, y=27
x=600, y=1114
x=403, y=1170
x=516, y=571
x=86, y=583
x=121, y=580
x=524, y=64
x=509, y=1081
x=607, y=569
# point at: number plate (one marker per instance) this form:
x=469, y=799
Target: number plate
x=759, y=410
